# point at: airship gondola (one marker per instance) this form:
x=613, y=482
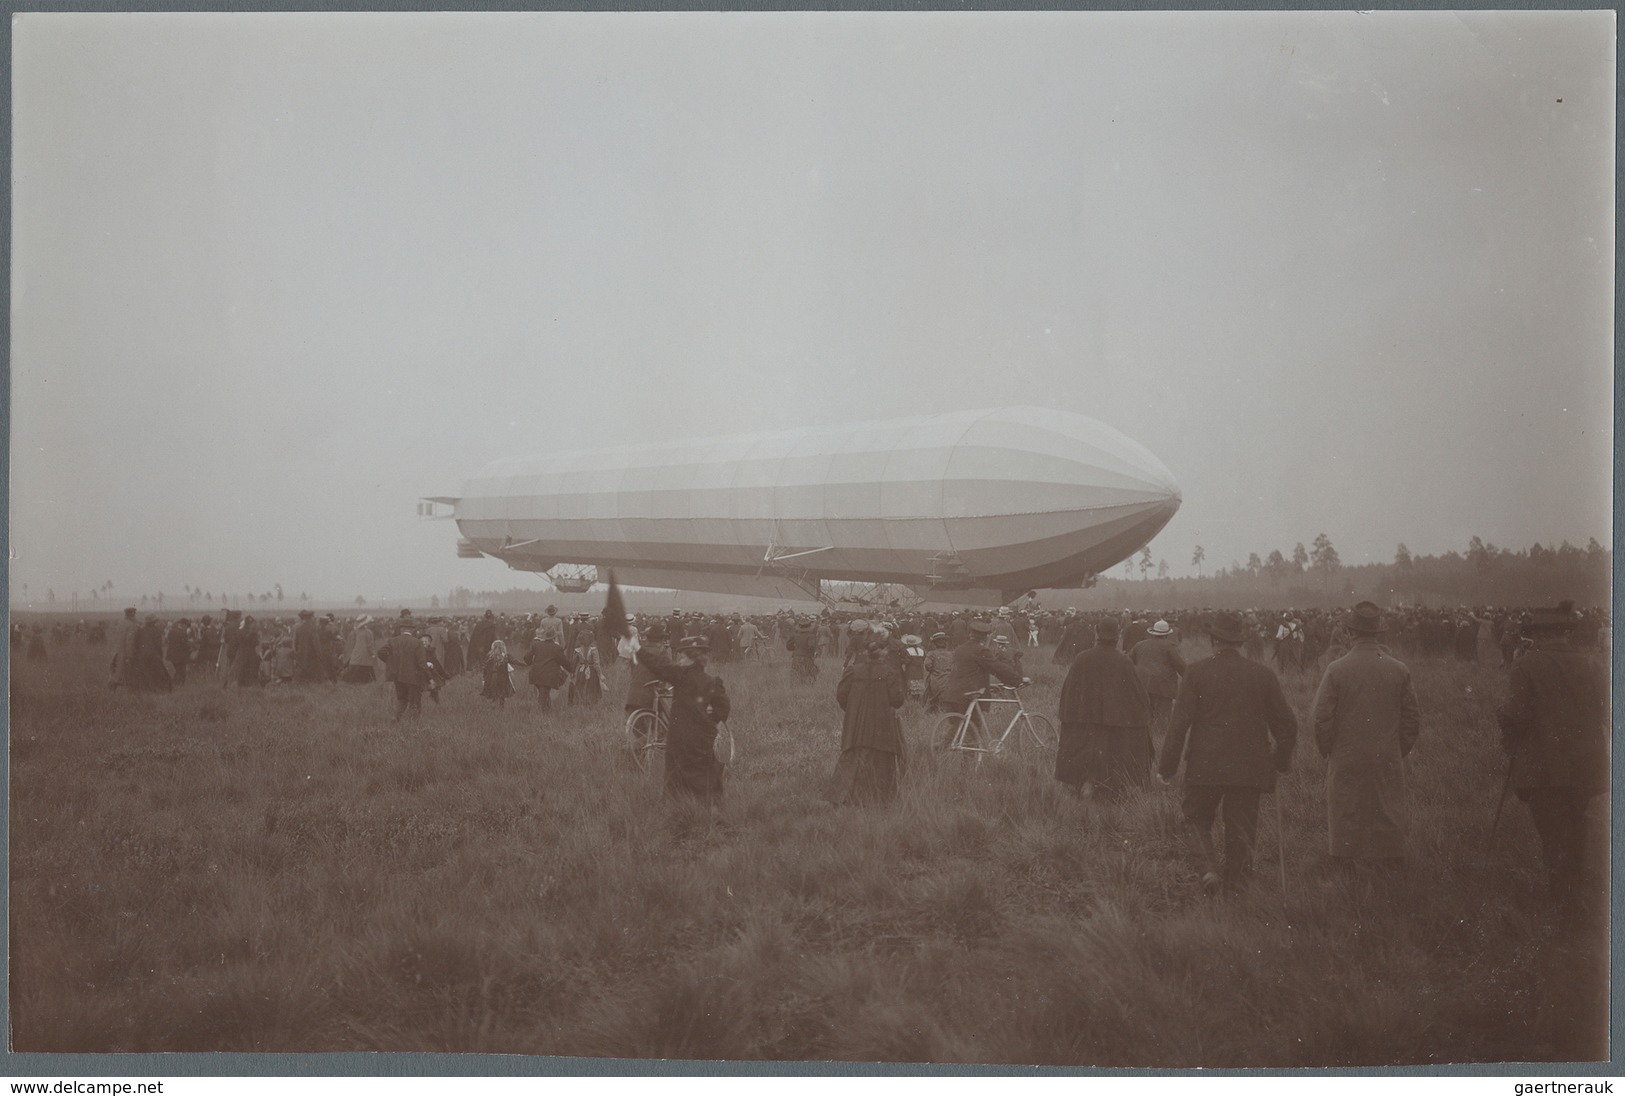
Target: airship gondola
x=971, y=507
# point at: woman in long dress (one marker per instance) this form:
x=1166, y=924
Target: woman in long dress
x=870, y=692
x=586, y=684
x=363, y=649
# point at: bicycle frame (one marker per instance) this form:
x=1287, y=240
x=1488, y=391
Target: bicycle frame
x=986, y=740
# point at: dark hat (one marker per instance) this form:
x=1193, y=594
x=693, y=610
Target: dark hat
x=1366, y=619
x=406, y=612
x=1560, y=617
x=655, y=632
x=694, y=643
x=1106, y=627
x=980, y=627
x=130, y=612
x=1226, y=628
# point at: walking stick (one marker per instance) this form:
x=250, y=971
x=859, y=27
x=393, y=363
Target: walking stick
x=1501, y=802
x=1280, y=842
x=1512, y=758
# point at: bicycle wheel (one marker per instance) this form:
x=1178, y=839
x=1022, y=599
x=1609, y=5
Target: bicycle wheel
x=644, y=741
x=1034, y=737
x=944, y=731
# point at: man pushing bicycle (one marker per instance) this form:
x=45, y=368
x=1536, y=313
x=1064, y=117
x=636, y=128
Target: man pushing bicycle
x=974, y=665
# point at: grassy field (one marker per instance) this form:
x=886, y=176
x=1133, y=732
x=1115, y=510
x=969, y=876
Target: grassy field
x=284, y=870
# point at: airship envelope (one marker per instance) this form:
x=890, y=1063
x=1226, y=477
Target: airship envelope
x=974, y=507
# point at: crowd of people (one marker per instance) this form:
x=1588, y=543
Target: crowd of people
x=1132, y=708
x=1232, y=731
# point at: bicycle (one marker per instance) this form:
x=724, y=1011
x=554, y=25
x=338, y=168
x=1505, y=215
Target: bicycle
x=646, y=731
x=646, y=734
x=1027, y=735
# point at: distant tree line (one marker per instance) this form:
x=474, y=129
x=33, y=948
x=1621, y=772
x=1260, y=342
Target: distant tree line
x=1483, y=574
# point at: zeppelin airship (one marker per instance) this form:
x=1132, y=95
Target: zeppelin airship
x=971, y=507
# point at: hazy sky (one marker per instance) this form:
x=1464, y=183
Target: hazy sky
x=276, y=276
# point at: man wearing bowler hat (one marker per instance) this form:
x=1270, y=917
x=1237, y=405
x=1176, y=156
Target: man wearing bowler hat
x=1366, y=722
x=1233, y=730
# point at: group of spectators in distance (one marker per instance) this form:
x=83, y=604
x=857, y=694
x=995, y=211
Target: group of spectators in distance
x=1132, y=708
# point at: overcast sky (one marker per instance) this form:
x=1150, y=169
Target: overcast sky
x=276, y=276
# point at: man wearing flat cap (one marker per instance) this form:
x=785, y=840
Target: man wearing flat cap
x=974, y=664
x=1233, y=730
x=698, y=703
x=1555, y=728
x=1366, y=722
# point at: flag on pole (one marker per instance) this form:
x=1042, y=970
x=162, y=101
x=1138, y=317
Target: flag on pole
x=615, y=610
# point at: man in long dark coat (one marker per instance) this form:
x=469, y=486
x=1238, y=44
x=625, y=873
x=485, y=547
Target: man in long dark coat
x=803, y=646
x=246, y=654
x=698, y=703
x=550, y=667
x=720, y=640
x=1233, y=730
x=1366, y=721
x=150, y=672
x=405, y=665
x=1555, y=727
x=480, y=640
x=1105, y=721
x=307, y=651
x=1078, y=636
x=870, y=692
x=178, y=649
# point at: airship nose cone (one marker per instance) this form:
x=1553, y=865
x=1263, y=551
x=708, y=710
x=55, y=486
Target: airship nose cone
x=1044, y=460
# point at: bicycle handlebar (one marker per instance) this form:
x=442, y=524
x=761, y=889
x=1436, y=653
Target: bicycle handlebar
x=1001, y=687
